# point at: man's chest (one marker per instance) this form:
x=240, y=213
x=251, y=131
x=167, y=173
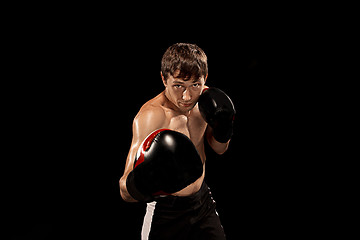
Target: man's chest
x=192, y=126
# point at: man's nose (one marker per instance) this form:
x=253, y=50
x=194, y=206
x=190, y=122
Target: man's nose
x=186, y=95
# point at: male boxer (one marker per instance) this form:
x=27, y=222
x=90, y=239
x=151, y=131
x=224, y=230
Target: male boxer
x=165, y=166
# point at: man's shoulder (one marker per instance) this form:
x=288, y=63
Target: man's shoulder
x=151, y=111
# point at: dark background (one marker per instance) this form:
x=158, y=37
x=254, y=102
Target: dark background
x=81, y=83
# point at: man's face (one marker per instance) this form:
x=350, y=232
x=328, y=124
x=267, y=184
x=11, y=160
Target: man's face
x=183, y=94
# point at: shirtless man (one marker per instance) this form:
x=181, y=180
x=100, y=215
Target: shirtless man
x=188, y=213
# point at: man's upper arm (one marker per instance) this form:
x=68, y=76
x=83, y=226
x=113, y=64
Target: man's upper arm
x=145, y=122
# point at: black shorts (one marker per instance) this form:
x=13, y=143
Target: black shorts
x=192, y=217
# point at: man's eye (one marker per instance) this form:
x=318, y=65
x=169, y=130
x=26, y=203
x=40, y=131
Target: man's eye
x=177, y=86
x=196, y=85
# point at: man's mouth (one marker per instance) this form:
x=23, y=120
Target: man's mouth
x=186, y=104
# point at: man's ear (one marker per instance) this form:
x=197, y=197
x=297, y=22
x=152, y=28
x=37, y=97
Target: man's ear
x=163, y=79
x=205, y=78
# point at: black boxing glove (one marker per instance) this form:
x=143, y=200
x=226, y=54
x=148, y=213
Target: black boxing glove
x=218, y=111
x=166, y=162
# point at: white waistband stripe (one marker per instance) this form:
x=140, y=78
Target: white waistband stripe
x=147, y=220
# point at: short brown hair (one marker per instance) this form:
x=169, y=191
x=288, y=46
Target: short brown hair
x=188, y=58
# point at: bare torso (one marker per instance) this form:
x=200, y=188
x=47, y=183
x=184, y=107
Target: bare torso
x=191, y=124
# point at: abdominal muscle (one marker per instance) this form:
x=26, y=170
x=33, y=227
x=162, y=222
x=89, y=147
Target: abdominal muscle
x=192, y=188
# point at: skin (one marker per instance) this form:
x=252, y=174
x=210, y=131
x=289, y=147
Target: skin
x=175, y=108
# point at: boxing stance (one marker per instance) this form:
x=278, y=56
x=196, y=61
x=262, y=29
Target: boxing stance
x=165, y=166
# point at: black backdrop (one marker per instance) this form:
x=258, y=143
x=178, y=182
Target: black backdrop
x=79, y=90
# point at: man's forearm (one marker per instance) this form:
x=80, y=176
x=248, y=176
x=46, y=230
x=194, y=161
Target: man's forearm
x=123, y=190
x=218, y=147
